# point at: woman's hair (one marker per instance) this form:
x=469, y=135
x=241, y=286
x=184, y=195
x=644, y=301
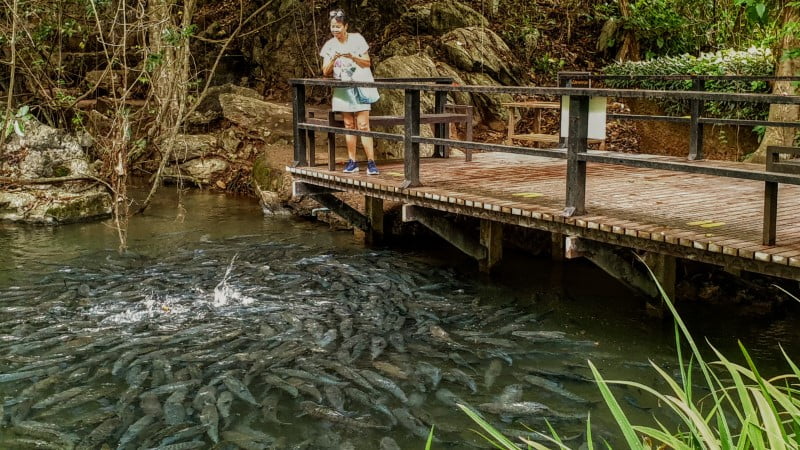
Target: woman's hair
x=339, y=16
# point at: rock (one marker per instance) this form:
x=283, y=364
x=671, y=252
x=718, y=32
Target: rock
x=210, y=108
x=392, y=101
x=190, y=146
x=264, y=120
x=477, y=49
x=45, y=152
x=449, y=15
x=489, y=105
x=200, y=171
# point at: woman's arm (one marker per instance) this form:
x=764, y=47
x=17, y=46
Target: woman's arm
x=327, y=66
x=361, y=60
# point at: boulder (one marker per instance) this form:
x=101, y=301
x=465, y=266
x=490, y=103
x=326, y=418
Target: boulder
x=200, y=171
x=210, y=108
x=191, y=146
x=449, y=15
x=493, y=114
x=478, y=49
x=392, y=102
x=47, y=153
x=270, y=122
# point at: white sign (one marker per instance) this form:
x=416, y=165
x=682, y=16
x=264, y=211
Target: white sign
x=597, y=117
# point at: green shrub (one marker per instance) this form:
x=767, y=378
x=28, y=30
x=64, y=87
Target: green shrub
x=753, y=62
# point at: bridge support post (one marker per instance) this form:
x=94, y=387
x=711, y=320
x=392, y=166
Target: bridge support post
x=434, y=221
x=299, y=108
x=373, y=209
x=492, y=241
x=664, y=267
x=576, y=144
x=557, y=246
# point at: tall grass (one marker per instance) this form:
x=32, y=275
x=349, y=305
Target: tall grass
x=742, y=410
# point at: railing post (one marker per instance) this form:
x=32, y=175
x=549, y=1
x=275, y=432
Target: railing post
x=770, y=226
x=299, y=109
x=568, y=79
x=411, y=148
x=440, y=130
x=696, y=128
x=576, y=144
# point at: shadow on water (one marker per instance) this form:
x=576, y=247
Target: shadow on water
x=279, y=333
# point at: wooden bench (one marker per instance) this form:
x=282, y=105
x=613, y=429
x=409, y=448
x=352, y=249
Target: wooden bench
x=453, y=114
x=537, y=106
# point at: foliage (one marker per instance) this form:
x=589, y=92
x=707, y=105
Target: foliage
x=673, y=27
x=754, y=62
x=16, y=123
x=742, y=410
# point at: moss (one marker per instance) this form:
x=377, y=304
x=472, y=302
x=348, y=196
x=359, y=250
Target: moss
x=61, y=171
x=84, y=208
x=267, y=178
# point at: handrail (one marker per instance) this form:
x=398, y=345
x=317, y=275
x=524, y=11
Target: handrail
x=575, y=149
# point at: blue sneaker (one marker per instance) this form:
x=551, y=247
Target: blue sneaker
x=372, y=169
x=350, y=167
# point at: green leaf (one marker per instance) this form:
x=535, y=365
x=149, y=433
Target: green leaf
x=19, y=128
x=619, y=415
x=489, y=428
x=23, y=111
x=430, y=439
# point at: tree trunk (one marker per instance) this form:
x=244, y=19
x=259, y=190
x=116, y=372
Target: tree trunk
x=629, y=50
x=782, y=136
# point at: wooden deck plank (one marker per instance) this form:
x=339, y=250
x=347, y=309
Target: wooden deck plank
x=707, y=213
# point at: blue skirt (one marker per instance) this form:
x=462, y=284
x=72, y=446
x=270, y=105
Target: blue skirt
x=344, y=100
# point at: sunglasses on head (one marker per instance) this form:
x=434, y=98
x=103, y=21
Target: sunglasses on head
x=338, y=13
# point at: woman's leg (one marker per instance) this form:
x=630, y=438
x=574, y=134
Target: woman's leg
x=362, y=121
x=350, y=124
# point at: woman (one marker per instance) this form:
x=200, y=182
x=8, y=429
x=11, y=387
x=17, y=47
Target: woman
x=342, y=56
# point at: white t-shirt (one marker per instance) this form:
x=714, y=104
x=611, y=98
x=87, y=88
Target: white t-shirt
x=344, y=68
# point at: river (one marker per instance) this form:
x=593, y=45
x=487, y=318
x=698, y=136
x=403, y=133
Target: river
x=226, y=329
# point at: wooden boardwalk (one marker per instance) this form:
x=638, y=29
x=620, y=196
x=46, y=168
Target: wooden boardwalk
x=707, y=218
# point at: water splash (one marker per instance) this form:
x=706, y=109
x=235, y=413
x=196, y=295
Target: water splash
x=223, y=292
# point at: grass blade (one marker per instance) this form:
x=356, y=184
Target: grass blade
x=619, y=415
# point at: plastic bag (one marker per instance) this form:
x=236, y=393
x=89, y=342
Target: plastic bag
x=365, y=94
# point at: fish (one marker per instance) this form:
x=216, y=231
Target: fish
x=59, y=397
x=430, y=372
x=458, y=376
x=492, y=372
x=335, y=397
x=174, y=412
x=385, y=384
x=411, y=423
x=390, y=370
x=209, y=418
x=238, y=389
x=553, y=387
x=99, y=434
x=378, y=344
x=224, y=402
x=320, y=412
x=135, y=430
x=512, y=393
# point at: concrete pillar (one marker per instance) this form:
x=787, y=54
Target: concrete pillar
x=492, y=240
x=373, y=209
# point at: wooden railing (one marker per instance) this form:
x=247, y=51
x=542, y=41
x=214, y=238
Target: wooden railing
x=575, y=149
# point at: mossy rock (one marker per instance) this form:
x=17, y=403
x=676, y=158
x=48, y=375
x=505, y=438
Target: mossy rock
x=267, y=178
x=84, y=208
